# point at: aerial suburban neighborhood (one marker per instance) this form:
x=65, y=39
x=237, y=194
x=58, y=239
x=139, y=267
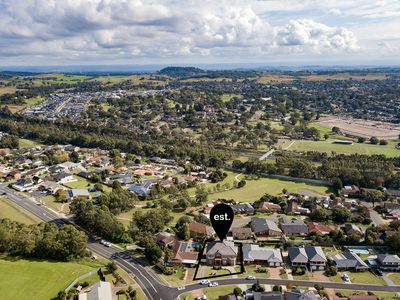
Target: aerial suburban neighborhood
x=208, y=150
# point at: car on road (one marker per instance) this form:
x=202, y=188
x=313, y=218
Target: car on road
x=105, y=243
x=346, y=278
x=214, y=283
x=205, y=282
x=379, y=272
x=250, y=277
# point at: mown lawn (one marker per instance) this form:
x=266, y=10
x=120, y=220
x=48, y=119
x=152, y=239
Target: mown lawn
x=36, y=279
x=7, y=210
x=328, y=146
x=24, y=143
x=214, y=292
x=255, y=189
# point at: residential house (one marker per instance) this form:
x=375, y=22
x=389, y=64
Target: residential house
x=23, y=185
x=243, y=208
x=296, y=294
x=316, y=258
x=184, y=254
x=85, y=174
x=51, y=187
x=221, y=253
x=64, y=177
x=394, y=193
x=241, y=233
x=348, y=260
x=293, y=226
x=200, y=231
x=79, y=194
x=264, y=296
x=165, y=240
x=350, y=191
x=388, y=262
x=352, y=229
x=227, y=297
x=269, y=207
x=309, y=257
x=253, y=254
x=264, y=227
x=320, y=229
x=294, y=208
x=141, y=189
x=55, y=169
x=13, y=175
x=145, y=172
x=101, y=290
x=298, y=257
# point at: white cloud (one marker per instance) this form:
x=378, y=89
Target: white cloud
x=101, y=30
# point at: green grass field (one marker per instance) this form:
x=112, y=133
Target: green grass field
x=24, y=143
x=328, y=146
x=36, y=279
x=7, y=210
x=228, y=97
x=255, y=189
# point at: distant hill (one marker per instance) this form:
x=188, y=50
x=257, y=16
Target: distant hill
x=181, y=71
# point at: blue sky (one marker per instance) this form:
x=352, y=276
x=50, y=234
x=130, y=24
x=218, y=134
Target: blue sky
x=286, y=32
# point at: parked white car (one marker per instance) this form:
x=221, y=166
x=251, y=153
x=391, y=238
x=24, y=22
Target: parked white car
x=205, y=282
x=214, y=283
x=250, y=277
x=346, y=278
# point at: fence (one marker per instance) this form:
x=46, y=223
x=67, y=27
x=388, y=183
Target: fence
x=81, y=278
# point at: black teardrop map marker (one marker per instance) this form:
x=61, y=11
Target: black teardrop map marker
x=221, y=216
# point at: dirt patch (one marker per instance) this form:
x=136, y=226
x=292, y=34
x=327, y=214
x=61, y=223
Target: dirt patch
x=317, y=276
x=362, y=128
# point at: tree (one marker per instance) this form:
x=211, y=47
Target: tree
x=393, y=242
x=237, y=291
x=374, y=140
x=61, y=196
x=383, y=142
x=331, y=271
x=361, y=140
x=153, y=252
x=319, y=214
x=257, y=287
x=241, y=183
x=340, y=214
x=326, y=136
x=111, y=267
x=201, y=195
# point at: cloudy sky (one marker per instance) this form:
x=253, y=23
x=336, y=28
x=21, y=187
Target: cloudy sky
x=286, y=32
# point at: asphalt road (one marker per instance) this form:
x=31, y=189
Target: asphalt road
x=152, y=287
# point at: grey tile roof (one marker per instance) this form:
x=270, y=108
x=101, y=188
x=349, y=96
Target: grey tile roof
x=267, y=296
x=348, y=259
x=254, y=252
x=224, y=248
x=315, y=254
x=297, y=255
x=388, y=258
x=293, y=226
x=261, y=225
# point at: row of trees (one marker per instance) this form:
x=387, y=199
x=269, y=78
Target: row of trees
x=42, y=240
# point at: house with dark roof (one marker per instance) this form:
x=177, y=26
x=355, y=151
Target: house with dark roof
x=296, y=294
x=141, y=189
x=388, y=262
x=264, y=227
x=64, y=177
x=253, y=254
x=241, y=233
x=349, y=229
x=23, y=185
x=221, y=253
x=293, y=226
x=264, y=296
x=294, y=208
x=298, y=257
x=243, y=208
x=348, y=260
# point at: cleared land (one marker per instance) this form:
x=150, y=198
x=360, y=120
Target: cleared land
x=36, y=279
x=363, y=128
x=7, y=210
x=255, y=189
x=329, y=146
